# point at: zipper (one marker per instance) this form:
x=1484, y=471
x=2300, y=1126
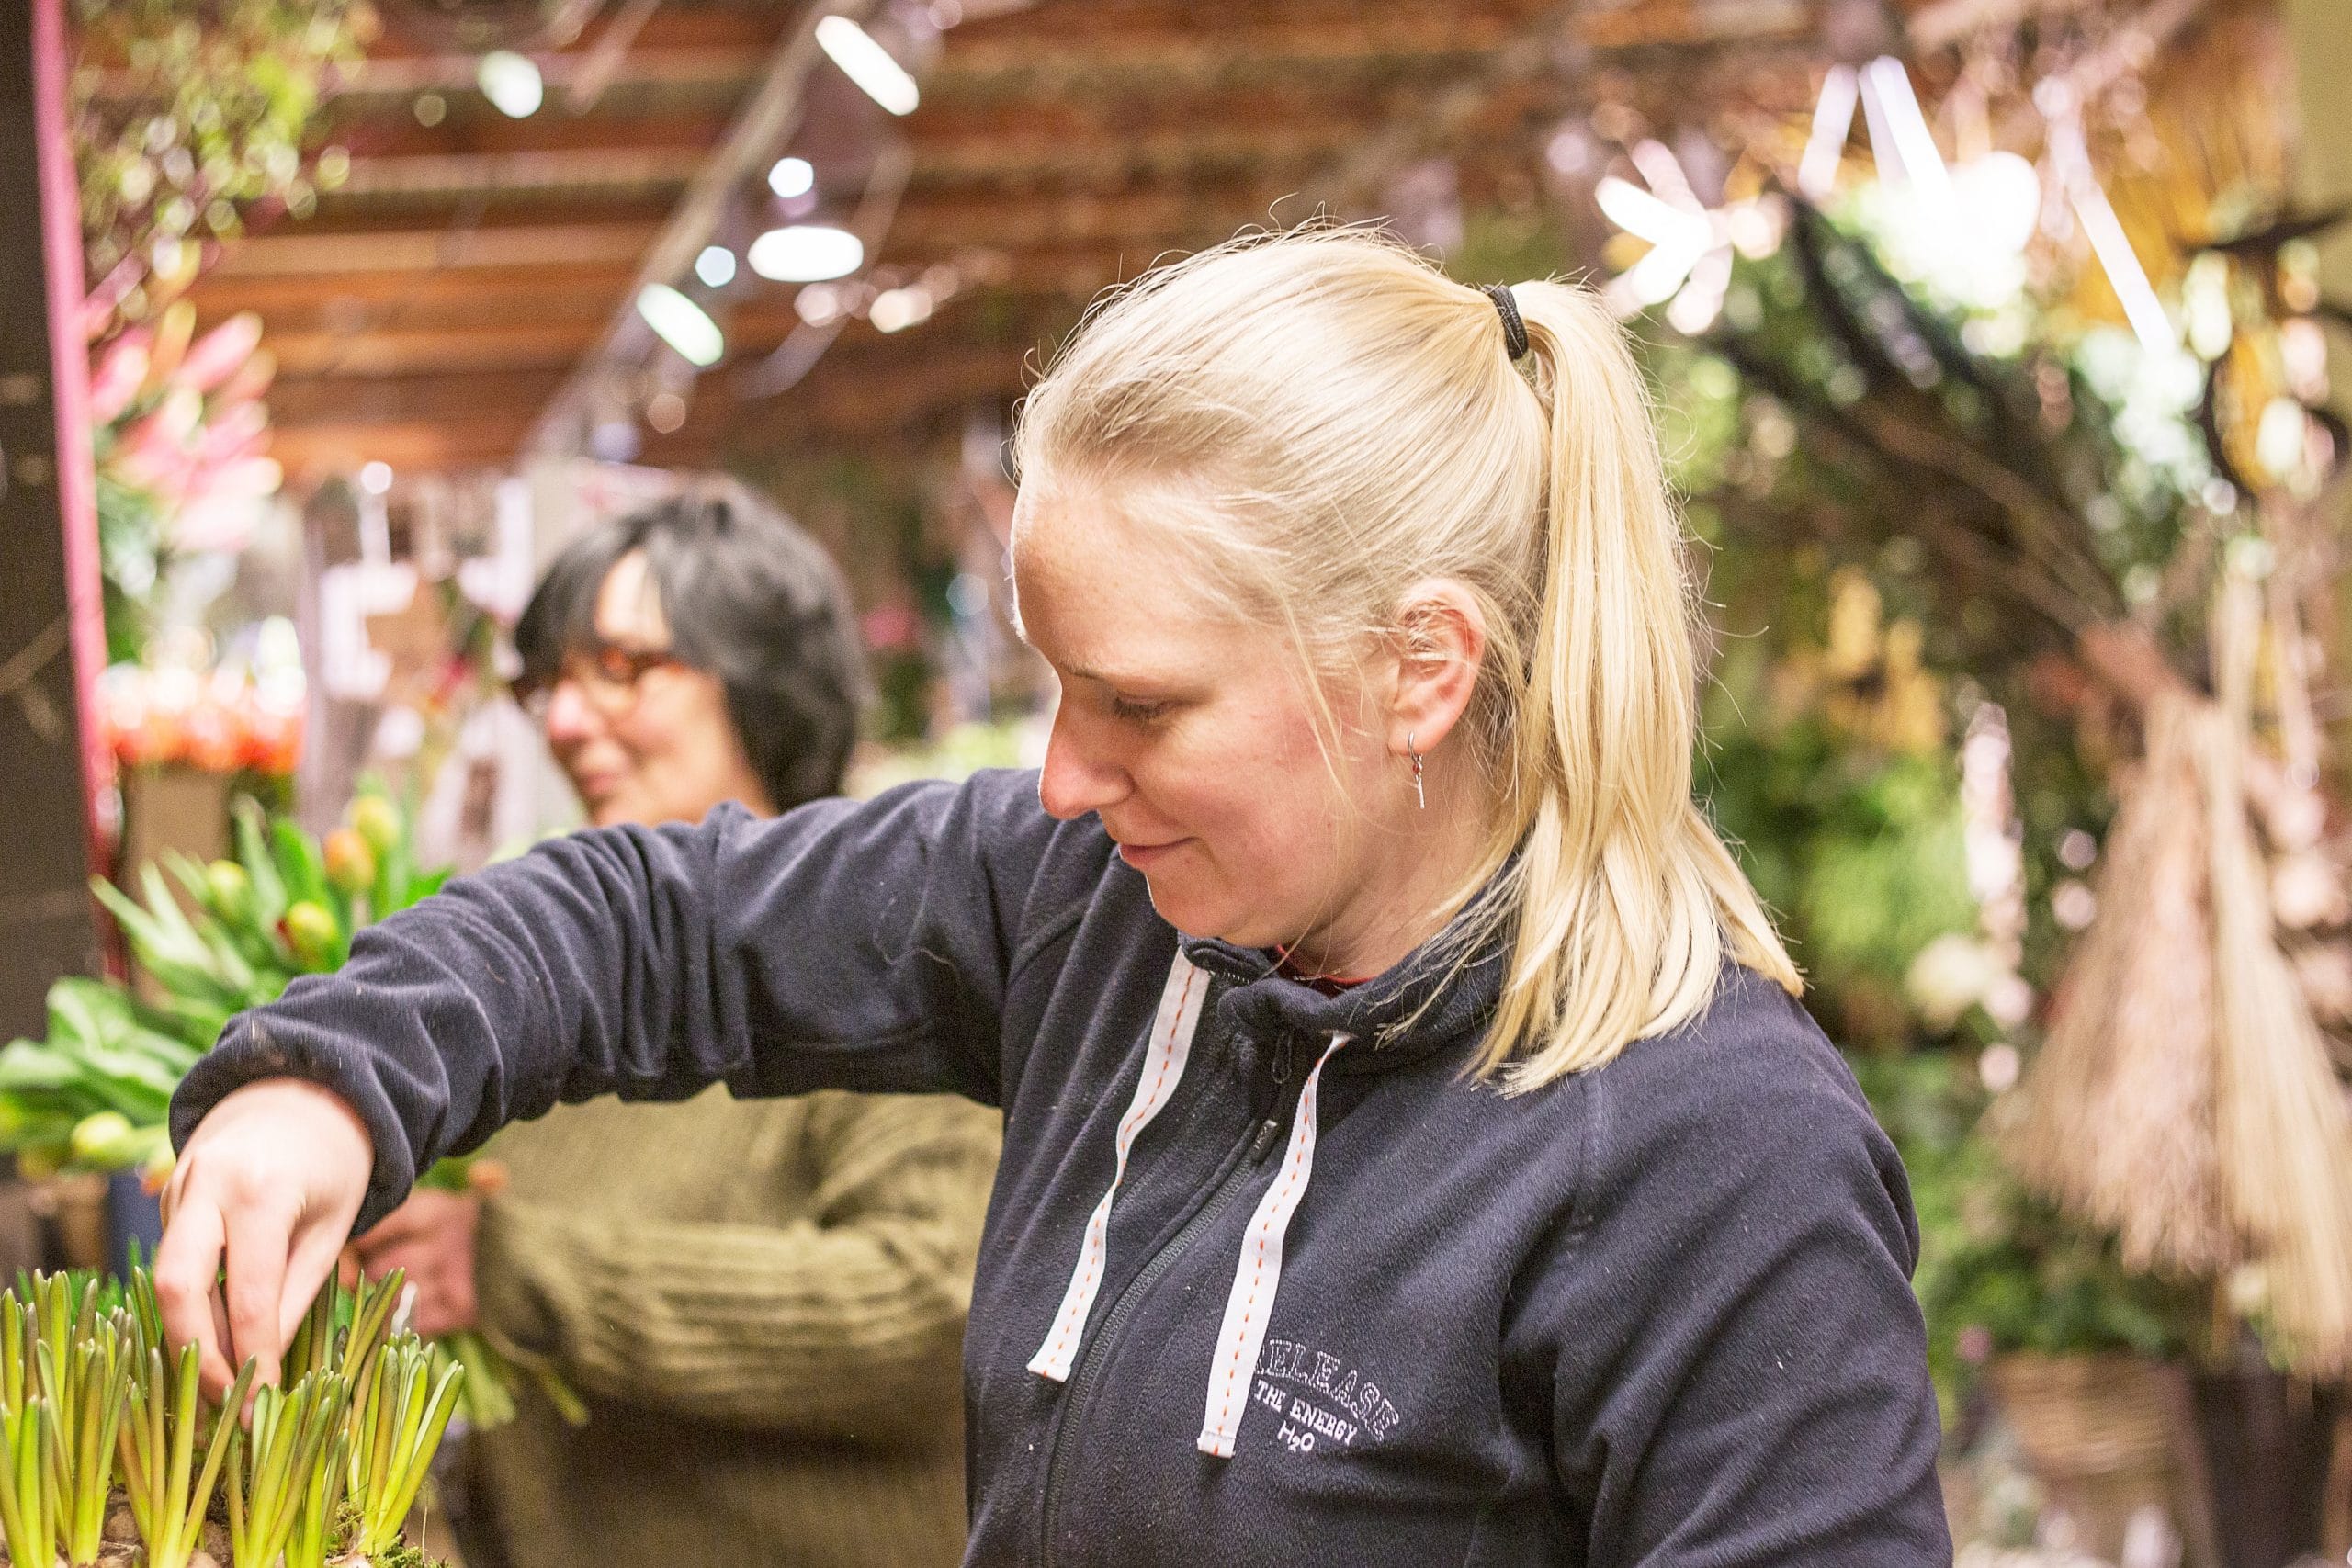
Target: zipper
x=1253, y=1156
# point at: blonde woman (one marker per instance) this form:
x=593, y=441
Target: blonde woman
x=1414, y=1150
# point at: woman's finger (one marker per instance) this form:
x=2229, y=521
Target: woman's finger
x=317, y=1248
x=188, y=1263
x=260, y=1241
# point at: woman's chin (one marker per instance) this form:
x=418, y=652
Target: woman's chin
x=1202, y=912
x=1179, y=902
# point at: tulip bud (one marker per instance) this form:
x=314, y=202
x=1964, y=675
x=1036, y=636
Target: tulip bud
x=351, y=864
x=230, y=890
x=311, y=930
x=97, y=1135
x=377, y=821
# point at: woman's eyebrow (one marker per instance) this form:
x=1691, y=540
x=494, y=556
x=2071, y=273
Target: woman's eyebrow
x=1125, y=679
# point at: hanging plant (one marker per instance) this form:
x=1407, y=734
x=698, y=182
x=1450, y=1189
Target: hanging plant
x=189, y=114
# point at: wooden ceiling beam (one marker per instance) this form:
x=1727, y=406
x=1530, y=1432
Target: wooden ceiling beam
x=300, y=401
x=1149, y=213
x=395, y=351
x=1169, y=45
x=675, y=79
x=537, y=175
x=518, y=340
x=349, y=303
x=305, y=251
x=677, y=24
x=1021, y=159
x=401, y=136
x=865, y=389
x=518, y=181
x=1032, y=55
x=1692, y=23
x=950, y=142
x=315, y=452
x=838, y=405
x=293, y=301
x=1044, y=58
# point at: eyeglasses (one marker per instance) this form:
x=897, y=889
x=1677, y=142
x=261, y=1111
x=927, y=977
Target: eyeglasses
x=608, y=672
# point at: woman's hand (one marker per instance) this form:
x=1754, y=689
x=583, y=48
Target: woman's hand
x=431, y=1237
x=270, y=1181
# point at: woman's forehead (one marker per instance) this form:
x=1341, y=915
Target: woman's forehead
x=628, y=602
x=1101, y=596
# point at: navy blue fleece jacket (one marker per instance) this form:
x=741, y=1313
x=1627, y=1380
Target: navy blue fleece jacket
x=1652, y=1313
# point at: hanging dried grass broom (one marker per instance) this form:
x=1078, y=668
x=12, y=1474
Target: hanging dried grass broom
x=2284, y=1131
x=2116, y=1119
x=2184, y=1096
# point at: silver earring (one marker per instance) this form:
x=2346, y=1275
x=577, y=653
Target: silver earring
x=1419, y=798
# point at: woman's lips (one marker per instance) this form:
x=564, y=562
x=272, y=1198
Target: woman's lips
x=1143, y=857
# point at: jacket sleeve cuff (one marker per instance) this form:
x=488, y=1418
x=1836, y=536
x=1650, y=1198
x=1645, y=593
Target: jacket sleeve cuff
x=249, y=1051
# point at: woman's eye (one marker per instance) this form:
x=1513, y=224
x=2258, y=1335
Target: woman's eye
x=1135, y=712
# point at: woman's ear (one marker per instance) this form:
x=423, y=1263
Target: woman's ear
x=1441, y=646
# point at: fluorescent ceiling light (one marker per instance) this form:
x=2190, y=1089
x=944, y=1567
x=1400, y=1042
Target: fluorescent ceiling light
x=1654, y=279
x=1640, y=213
x=1885, y=80
x=819, y=305
x=868, y=65
x=682, y=324
x=806, y=253
x=1833, y=120
x=792, y=176
x=716, y=265
x=2129, y=279
x=511, y=83
x=896, y=309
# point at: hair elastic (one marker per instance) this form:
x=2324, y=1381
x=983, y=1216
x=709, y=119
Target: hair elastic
x=1514, y=329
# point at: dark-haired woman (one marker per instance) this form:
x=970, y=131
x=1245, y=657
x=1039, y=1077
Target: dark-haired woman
x=763, y=1303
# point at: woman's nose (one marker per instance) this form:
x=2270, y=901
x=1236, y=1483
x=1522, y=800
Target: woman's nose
x=571, y=717
x=1073, y=780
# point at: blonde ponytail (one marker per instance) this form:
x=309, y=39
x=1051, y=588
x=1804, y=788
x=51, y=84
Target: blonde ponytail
x=1358, y=426
x=1624, y=895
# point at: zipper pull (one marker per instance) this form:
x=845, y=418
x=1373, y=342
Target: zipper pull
x=1282, y=1061
x=1264, y=1144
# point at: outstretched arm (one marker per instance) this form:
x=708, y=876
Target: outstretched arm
x=854, y=945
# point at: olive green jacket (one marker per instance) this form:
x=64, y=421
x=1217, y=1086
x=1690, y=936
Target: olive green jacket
x=762, y=1303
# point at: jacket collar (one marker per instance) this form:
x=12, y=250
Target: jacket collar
x=1435, y=998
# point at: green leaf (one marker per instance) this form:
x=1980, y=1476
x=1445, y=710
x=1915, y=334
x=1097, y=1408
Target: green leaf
x=252, y=853
x=298, y=863
x=28, y=1065
x=156, y=944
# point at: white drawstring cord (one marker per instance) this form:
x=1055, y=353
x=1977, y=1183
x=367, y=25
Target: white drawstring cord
x=1260, y=1275
x=1163, y=1067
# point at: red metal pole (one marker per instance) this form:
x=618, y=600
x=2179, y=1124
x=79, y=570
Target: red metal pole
x=60, y=205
